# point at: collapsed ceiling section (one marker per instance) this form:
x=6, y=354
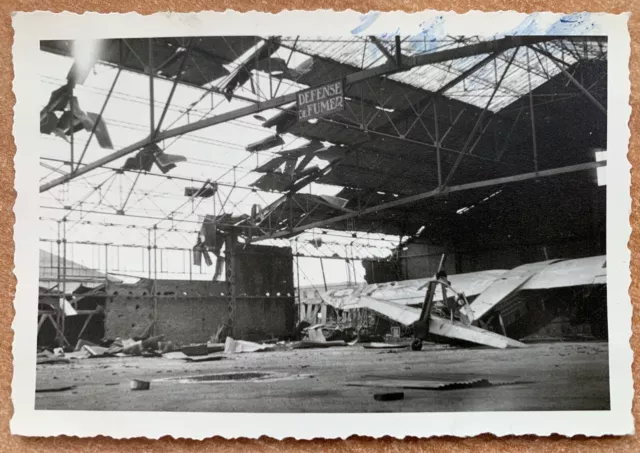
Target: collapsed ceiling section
x=402, y=133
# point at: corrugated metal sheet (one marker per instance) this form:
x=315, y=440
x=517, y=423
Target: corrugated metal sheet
x=476, y=89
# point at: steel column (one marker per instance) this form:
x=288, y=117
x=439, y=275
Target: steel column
x=230, y=248
x=155, y=279
x=58, y=286
x=62, y=323
x=435, y=118
x=300, y=318
x=533, y=118
x=152, y=106
x=73, y=126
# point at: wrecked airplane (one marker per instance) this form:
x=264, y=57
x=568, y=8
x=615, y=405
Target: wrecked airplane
x=493, y=308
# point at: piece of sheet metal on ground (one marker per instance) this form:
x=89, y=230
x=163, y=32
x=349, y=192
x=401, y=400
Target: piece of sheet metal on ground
x=425, y=384
x=422, y=384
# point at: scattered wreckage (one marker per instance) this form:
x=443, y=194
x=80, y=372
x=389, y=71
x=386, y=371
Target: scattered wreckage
x=494, y=308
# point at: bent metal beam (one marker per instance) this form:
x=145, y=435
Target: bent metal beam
x=382, y=70
x=433, y=193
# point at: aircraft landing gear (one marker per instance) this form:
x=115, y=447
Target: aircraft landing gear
x=416, y=345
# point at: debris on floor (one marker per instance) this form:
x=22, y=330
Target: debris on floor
x=308, y=344
x=47, y=357
x=179, y=355
x=314, y=333
x=393, y=396
x=137, y=384
x=82, y=354
x=55, y=389
x=194, y=350
x=385, y=345
x=315, y=338
x=236, y=376
x=430, y=384
x=232, y=346
x=94, y=351
x=205, y=358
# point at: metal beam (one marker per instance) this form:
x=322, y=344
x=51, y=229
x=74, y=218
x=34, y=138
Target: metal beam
x=99, y=118
x=435, y=192
x=408, y=62
x=499, y=45
x=218, y=119
x=456, y=164
x=152, y=102
x=438, y=143
x=383, y=49
x=577, y=84
x=532, y=116
x=407, y=113
x=167, y=103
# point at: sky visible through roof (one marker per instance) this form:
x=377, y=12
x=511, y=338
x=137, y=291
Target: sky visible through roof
x=216, y=153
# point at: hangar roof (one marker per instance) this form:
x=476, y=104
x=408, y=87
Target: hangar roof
x=459, y=121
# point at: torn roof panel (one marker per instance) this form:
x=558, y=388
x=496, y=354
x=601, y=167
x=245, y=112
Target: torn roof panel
x=354, y=51
x=393, y=165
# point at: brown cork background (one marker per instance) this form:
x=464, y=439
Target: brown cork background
x=485, y=443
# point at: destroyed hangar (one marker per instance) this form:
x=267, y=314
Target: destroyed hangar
x=462, y=176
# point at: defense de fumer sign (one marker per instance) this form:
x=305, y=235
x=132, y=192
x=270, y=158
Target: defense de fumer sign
x=320, y=101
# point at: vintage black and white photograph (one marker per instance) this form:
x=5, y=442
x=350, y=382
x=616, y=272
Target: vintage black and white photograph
x=371, y=221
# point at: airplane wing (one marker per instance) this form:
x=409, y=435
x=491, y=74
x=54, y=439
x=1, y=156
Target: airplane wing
x=507, y=284
x=542, y=275
x=578, y=272
x=393, y=300
x=437, y=325
x=411, y=292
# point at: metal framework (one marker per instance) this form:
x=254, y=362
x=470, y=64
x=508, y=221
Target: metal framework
x=368, y=116
x=383, y=70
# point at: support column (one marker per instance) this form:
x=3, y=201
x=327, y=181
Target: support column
x=300, y=311
x=533, y=120
x=324, y=277
x=58, y=319
x=63, y=316
x=106, y=259
x=230, y=251
x=71, y=138
x=152, y=105
x=435, y=119
x=155, y=280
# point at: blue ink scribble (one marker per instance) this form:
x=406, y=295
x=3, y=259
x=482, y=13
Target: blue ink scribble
x=529, y=26
x=365, y=22
x=572, y=24
x=431, y=32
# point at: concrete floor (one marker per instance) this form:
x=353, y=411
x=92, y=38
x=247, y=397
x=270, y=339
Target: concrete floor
x=553, y=376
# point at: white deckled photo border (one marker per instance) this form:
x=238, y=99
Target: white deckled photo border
x=30, y=28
